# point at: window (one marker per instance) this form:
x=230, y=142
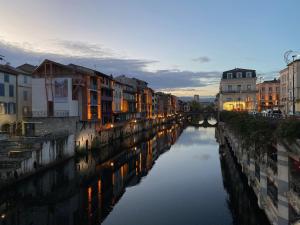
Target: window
x=239, y=87
x=229, y=87
x=249, y=87
x=239, y=75
x=25, y=95
x=2, y=90
x=248, y=74
x=263, y=89
x=229, y=75
x=25, y=79
x=11, y=91
x=6, y=78
x=270, y=89
x=2, y=108
x=270, y=98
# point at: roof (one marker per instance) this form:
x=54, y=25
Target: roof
x=9, y=69
x=235, y=74
x=239, y=70
x=27, y=68
x=88, y=70
x=272, y=81
x=53, y=62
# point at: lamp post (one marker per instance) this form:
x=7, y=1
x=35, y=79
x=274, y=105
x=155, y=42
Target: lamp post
x=287, y=60
x=293, y=84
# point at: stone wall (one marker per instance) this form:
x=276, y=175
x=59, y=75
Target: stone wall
x=43, y=126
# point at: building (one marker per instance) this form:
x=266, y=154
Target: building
x=57, y=91
x=8, y=98
x=143, y=96
x=286, y=87
x=196, y=98
x=99, y=93
x=118, y=101
x=129, y=102
x=268, y=95
x=24, y=90
x=238, y=90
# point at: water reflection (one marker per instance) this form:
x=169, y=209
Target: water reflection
x=138, y=181
x=241, y=200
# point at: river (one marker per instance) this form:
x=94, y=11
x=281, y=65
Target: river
x=173, y=176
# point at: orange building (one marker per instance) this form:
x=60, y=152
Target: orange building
x=268, y=95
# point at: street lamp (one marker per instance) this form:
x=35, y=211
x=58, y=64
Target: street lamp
x=286, y=58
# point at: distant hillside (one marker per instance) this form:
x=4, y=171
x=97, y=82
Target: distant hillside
x=202, y=99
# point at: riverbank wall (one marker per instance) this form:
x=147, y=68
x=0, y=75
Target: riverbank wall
x=274, y=178
x=23, y=157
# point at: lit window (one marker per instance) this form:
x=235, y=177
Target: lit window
x=2, y=108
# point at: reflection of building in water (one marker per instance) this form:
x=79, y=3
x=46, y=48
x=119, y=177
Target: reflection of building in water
x=84, y=192
x=241, y=201
x=273, y=177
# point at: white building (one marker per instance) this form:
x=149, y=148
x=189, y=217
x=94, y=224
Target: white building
x=238, y=90
x=286, y=87
x=53, y=98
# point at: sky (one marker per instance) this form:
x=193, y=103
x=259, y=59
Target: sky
x=177, y=46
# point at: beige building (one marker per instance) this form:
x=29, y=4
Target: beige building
x=286, y=87
x=268, y=95
x=238, y=90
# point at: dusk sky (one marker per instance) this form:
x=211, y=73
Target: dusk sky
x=177, y=46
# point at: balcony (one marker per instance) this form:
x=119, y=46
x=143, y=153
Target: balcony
x=93, y=87
x=238, y=91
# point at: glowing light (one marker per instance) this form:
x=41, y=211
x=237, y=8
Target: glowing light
x=230, y=106
x=111, y=164
x=3, y=216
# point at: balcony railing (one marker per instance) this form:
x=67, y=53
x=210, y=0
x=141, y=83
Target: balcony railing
x=56, y=113
x=61, y=113
x=237, y=91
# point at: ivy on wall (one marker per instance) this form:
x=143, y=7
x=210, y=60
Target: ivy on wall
x=257, y=133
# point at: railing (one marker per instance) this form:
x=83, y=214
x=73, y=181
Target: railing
x=239, y=91
x=61, y=113
x=39, y=113
x=93, y=87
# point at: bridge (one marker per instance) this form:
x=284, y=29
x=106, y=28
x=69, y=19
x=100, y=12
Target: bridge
x=194, y=117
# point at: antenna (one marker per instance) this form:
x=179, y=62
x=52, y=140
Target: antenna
x=287, y=55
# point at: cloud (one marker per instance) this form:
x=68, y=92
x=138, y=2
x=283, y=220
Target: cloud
x=202, y=59
x=106, y=61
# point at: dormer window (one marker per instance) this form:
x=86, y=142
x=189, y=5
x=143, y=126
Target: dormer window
x=239, y=75
x=229, y=76
x=248, y=74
